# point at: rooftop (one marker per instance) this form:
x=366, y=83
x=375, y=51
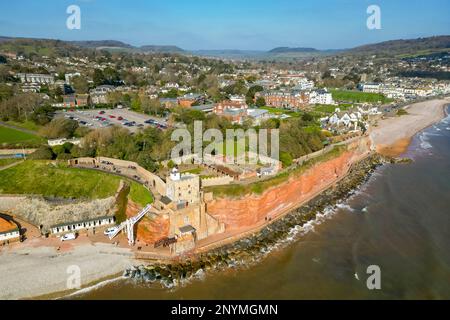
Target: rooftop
x=7, y=225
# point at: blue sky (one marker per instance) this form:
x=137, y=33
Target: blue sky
x=228, y=24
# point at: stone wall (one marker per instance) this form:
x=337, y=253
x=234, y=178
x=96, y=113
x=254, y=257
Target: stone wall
x=38, y=211
x=216, y=181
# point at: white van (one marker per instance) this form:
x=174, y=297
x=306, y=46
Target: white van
x=68, y=237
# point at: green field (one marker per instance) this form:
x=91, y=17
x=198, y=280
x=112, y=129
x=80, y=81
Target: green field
x=280, y=111
x=6, y=162
x=29, y=125
x=358, y=96
x=58, y=180
x=325, y=108
x=12, y=136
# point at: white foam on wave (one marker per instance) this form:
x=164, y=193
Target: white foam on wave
x=94, y=287
x=345, y=206
x=424, y=141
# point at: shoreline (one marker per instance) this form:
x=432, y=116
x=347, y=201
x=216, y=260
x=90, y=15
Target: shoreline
x=393, y=136
x=103, y=265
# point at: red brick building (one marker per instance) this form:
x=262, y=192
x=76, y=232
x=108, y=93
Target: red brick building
x=281, y=99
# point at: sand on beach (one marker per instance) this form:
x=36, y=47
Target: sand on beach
x=392, y=136
x=37, y=271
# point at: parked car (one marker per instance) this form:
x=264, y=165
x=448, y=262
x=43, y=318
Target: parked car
x=112, y=117
x=101, y=112
x=110, y=231
x=120, y=118
x=68, y=237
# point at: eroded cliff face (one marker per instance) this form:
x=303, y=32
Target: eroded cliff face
x=248, y=210
x=148, y=230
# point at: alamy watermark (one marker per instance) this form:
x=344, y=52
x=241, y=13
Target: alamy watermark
x=374, y=19
x=374, y=280
x=74, y=278
x=73, y=22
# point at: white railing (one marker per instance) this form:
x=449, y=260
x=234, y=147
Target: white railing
x=128, y=225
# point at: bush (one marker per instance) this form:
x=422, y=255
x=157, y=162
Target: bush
x=42, y=153
x=286, y=159
x=59, y=128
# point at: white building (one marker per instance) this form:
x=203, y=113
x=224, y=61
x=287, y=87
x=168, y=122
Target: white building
x=83, y=225
x=60, y=142
x=371, y=87
x=321, y=96
x=9, y=231
x=69, y=76
x=36, y=78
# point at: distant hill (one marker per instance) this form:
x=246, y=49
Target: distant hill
x=164, y=49
x=93, y=44
x=291, y=50
x=395, y=48
x=119, y=45
x=229, y=53
x=404, y=47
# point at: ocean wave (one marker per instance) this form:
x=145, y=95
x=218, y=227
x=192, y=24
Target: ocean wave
x=345, y=206
x=424, y=141
x=94, y=287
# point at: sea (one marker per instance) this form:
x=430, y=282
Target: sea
x=389, y=240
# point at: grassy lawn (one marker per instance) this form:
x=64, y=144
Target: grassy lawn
x=139, y=194
x=358, y=96
x=5, y=162
x=280, y=111
x=29, y=125
x=194, y=171
x=12, y=136
x=326, y=108
x=58, y=180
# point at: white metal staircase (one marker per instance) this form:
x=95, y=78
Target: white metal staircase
x=128, y=225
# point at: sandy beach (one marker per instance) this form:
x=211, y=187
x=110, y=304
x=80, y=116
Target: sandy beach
x=392, y=136
x=38, y=271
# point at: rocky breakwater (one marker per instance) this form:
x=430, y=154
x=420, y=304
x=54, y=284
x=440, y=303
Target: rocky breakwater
x=249, y=250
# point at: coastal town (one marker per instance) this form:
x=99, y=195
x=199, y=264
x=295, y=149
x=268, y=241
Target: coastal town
x=85, y=143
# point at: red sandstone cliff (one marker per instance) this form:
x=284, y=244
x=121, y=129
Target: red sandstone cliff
x=251, y=209
x=148, y=230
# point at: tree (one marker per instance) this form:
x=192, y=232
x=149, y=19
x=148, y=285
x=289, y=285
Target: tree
x=260, y=102
x=59, y=128
x=42, y=153
x=111, y=76
x=80, y=84
x=250, y=96
x=98, y=77
x=42, y=114
x=286, y=159
x=3, y=59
